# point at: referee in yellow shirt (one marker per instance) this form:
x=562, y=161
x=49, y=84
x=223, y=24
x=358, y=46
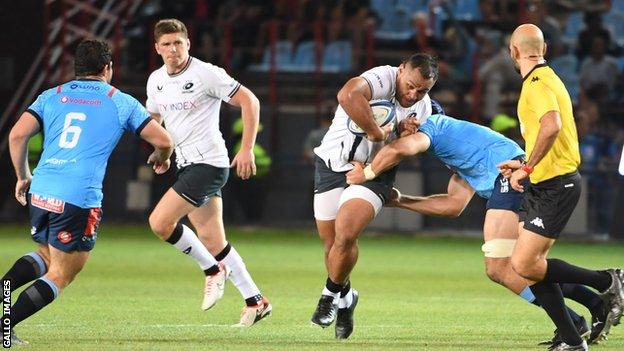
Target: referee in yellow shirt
x=547, y=126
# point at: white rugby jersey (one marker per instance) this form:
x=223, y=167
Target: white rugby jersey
x=340, y=146
x=189, y=103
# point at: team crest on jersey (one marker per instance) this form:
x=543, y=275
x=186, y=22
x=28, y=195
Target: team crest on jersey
x=412, y=114
x=47, y=203
x=186, y=88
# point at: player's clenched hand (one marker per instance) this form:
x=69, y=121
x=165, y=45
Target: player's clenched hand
x=21, y=190
x=506, y=168
x=408, y=126
x=386, y=130
x=160, y=165
x=245, y=164
x=517, y=178
x=356, y=175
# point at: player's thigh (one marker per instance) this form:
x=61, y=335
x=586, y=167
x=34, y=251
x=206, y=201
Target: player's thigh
x=328, y=187
x=327, y=232
x=358, y=206
x=530, y=248
x=170, y=208
x=500, y=224
x=64, y=266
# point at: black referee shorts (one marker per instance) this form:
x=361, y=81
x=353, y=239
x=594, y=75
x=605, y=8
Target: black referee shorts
x=548, y=205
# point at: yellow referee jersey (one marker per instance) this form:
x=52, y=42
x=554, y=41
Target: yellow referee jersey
x=542, y=92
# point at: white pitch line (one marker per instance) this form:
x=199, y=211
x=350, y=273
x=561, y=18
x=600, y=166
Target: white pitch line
x=45, y=325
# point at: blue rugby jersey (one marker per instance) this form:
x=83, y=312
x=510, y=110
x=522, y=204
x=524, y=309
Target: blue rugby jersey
x=82, y=122
x=470, y=150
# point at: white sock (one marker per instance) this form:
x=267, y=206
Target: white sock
x=190, y=244
x=346, y=301
x=239, y=275
x=329, y=293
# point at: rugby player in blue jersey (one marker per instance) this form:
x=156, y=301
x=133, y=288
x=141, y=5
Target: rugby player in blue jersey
x=473, y=152
x=82, y=120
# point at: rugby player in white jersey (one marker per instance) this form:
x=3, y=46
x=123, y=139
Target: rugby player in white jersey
x=186, y=94
x=341, y=211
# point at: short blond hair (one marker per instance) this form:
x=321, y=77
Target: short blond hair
x=169, y=26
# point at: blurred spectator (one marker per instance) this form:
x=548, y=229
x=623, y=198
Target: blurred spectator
x=497, y=75
x=599, y=71
x=206, y=50
x=538, y=13
x=593, y=28
x=251, y=206
x=314, y=137
x=423, y=39
x=599, y=151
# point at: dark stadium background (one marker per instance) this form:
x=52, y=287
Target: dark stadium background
x=295, y=55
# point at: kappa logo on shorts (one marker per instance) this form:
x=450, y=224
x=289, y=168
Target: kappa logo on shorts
x=64, y=237
x=538, y=222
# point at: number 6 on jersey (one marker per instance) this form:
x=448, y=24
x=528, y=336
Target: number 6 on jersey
x=66, y=141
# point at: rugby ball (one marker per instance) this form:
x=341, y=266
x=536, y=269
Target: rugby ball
x=383, y=113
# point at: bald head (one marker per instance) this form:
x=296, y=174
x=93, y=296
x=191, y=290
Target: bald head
x=529, y=40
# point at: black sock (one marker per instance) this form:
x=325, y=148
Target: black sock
x=176, y=234
x=551, y=299
x=558, y=271
x=221, y=255
x=346, y=289
x=32, y=299
x=27, y=268
x=254, y=300
x=584, y=296
x=333, y=287
x=575, y=316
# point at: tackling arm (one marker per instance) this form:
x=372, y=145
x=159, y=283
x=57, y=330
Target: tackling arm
x=451, y=204
x=389, y=156
x=160, y=139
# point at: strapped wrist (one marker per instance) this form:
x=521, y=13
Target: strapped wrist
x=369, y=173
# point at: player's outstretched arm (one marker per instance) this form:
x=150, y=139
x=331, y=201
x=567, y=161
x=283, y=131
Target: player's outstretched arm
x=451, y=204
x=160, y=139
x=389, y=156
x=26, y=127
x=244, y=161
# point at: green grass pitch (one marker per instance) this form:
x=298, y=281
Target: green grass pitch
x=138, y=293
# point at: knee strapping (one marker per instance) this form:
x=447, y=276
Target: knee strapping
x=498, y=248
